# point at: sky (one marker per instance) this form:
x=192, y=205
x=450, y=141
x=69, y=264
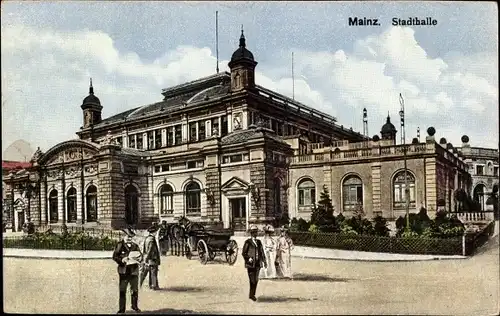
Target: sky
x=447, y=74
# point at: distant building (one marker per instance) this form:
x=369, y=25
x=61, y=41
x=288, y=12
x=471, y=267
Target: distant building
x=483, y=167
x=13, y=209
x=224, y=151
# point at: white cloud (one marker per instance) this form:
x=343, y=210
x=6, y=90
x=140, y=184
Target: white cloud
x=45, y=77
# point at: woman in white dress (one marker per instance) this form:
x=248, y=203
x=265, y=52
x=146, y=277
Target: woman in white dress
x=269, y=244
x=285, y=245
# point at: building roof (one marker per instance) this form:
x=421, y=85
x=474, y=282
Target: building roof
x=177, y=97
x=388, y=127
x=253, y=132
x=242, y=52
x=10, y=165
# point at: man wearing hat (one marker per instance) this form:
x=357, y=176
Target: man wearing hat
x=253, y=253
x=128, y=255
x=151, y=259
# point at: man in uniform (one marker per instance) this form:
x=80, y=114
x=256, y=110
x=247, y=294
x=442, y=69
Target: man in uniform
x=151, y=259
x=253, y=253
x=128, y=269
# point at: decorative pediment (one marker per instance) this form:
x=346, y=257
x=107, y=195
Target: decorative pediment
x=235, y=184
x=70, y=151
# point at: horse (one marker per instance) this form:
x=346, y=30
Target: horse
x=180, y=234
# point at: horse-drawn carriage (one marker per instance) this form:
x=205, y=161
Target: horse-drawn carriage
x=191, y=238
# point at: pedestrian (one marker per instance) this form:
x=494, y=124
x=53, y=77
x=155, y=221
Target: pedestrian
x=284, y=258
x=253, y=253
x=270, y=247
x=163, y=238
x=151, y=255
x=128, y=256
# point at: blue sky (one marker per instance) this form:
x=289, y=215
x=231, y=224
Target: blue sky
x=448, y=73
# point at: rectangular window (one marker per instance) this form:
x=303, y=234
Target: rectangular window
x=139, y=141
x=178, y=134
x=215, y=127
x=495, y=171
x=192, y=132
x=158, y=138
x=191, y=164
x=224, y=128
x=119, y=141
x=301, y=197
x=151, y=143
x=170, y=136
x=274, y=126
x=236, y=158
x=157, y=169
x=201, y=130
x=479, y=170
x=131, y=141
x=165, y=168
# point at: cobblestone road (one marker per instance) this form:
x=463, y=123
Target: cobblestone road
x=452, y=287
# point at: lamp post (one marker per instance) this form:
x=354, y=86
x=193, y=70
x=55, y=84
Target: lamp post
x=407, y=191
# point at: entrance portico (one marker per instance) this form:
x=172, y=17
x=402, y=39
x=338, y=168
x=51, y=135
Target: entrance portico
x=236, y=204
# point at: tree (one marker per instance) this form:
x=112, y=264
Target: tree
x=322, y=214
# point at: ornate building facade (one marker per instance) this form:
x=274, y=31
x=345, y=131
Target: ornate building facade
x=224, y=151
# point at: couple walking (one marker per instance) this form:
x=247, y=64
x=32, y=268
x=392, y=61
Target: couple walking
x=134, y=264
x=258, y=255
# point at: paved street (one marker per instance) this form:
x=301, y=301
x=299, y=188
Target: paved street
x=452, y=287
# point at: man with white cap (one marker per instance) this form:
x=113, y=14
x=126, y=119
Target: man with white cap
x=128, y=256
x=253, y=253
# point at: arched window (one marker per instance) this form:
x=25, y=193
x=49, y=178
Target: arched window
x=166, y=199
x=352, y=192
x=306, y=192
x=53, y=207
x=193, y=198
x=71, y=206
x=399, y=198
x=91, y=204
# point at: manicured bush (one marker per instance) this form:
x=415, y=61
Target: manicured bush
x=380, y=226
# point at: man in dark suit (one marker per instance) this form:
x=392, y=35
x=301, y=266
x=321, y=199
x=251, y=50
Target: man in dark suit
x=253, y=253
x=151, y=259
x=128, y=269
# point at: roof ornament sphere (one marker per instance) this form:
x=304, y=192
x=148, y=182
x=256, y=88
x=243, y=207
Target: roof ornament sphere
x=465, y=139
x=414, y=140
x=449, y=146
x=375, y=138
x=431, y=131
x=443, y=141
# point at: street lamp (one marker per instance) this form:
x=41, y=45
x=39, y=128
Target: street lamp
x=407, y=191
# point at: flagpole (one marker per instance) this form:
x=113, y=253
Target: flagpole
x=293, y=81
x=407, y=191
x=217, y=38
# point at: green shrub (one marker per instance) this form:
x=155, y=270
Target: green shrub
x=313, y=228
x=300, y=225
x=380, y=226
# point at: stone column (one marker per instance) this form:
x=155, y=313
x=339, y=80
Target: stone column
x=164, y=137
x=43, y=198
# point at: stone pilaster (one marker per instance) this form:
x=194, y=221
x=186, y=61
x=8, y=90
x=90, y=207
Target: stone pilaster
x=43, y=197
x=258, y=178
x=376, y=192
x=213, y=186
x=430, y=186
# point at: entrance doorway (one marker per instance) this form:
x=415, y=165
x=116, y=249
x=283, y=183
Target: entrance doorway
x=20, y=221
x=238, y=213
x=131, y=205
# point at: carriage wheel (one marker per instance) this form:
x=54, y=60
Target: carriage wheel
x=202, y=251
x=231, y=252
x=211, y=255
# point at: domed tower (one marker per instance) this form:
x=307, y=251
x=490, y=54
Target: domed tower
x=242, y=67
x=388, y=130
x=92, y=108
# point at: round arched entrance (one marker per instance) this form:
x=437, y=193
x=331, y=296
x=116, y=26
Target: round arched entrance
x=131, y=205
x=479, y=194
